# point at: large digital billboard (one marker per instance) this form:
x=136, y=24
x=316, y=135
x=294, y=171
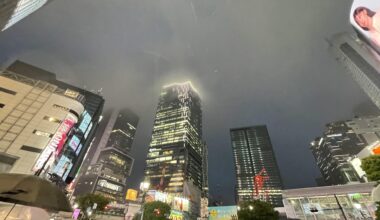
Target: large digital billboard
x=63, y=167
x=222, y=213
x=365, y=18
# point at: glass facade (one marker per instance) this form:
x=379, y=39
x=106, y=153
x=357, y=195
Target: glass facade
x=349, y=202
x=15, y=10
x=257, y=173
x=112, y=164
x=175, y=151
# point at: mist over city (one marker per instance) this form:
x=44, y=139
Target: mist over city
x=219, y=105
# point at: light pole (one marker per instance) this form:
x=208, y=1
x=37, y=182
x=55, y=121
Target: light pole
x=144, y=187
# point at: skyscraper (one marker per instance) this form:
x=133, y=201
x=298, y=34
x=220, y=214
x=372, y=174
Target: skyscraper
x=341, y=141
x=111, y=164
x=12, y=11
x=257, y=173
x=174, y=161
x=361, y=62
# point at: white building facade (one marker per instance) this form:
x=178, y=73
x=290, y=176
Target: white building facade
x=35, y=120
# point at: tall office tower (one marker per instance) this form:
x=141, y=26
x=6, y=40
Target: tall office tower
x=12, y=11
x=174, y=162
x=360, y=61
x=341, y=141
x=111, y=163
x=257, y=173
x=205, y=171
x=46, y=124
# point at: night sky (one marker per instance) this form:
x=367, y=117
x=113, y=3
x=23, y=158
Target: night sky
x=253, y=61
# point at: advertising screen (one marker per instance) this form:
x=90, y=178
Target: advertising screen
x=131, y=195
x=74, y=142
x=79, y=149
x=365, y=18
x=181, y=204
x=85, y=122
x=88, y=130
x=222, y=212
x=55, y=145
x=63, y=167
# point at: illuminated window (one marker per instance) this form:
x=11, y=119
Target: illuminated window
x=41, y=133
x=51, y=119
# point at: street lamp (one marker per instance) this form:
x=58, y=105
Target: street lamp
x=144, y=187
x=250, y=207
x=238, y=208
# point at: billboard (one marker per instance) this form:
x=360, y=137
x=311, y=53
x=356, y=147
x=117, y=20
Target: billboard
x=222, y=212
x=131, y=195
x=365, y=18
x=55, y=145
x=181, y=204
x=74, y=142
x=63, y=167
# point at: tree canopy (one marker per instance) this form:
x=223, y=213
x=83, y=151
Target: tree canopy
x=88, y=200
x=252, y=210
x=156, y=210
x=371, y=166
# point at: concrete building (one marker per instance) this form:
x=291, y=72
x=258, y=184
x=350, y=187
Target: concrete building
x=12, y=11
x=35, y=119
x=360, y=62
x=341, y=142
x=111, y=163
x=77, y=142
x=351, y=201
x=257, y=173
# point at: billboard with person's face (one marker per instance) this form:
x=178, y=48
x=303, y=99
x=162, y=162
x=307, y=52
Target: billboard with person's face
x=365, y=18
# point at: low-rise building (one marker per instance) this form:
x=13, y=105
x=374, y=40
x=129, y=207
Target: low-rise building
x=351, y=201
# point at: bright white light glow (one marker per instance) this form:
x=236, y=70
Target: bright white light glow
x=182, y=84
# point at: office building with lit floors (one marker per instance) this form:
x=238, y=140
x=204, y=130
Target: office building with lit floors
x=341, y=142
x=12, y=11
x=174, y=162
x=72, y=138
x=257, y=173
x=111, y=163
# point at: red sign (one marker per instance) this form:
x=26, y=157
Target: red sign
x=56, y=143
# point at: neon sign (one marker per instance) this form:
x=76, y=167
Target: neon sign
x=55, y=145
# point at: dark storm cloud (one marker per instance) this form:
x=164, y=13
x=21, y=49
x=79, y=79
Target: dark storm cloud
x=254, y=62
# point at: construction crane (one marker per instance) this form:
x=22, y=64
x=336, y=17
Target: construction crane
x=259, y=181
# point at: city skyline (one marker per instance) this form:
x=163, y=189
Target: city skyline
x=132, y=49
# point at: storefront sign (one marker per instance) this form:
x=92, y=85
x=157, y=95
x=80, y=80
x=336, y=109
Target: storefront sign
x=56, y=143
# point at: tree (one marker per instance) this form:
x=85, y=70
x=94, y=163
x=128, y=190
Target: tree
x=252, y=210
x=371, y=166
x=156, y=211
x=88, y=200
